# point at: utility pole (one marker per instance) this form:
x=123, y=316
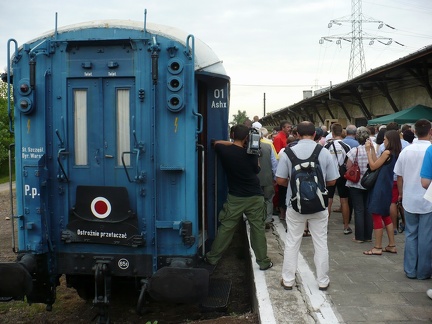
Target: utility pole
x=357, y=63
x=264, y=105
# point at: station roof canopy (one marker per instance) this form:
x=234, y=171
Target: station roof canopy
x=352, y=99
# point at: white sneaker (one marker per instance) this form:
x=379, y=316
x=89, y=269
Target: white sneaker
x=429, y=293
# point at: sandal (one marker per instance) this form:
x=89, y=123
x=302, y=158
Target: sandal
x=371, y=251
x=306, y=233
x=390, y=249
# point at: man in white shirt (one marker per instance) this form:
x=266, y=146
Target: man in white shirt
x=256, y=124
x=417, y=210
x=338, y=150
x=295, y=221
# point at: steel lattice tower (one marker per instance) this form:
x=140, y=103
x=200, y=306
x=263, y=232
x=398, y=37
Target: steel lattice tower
x=357, y=63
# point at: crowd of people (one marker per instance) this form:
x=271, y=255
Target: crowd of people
x=260, y=187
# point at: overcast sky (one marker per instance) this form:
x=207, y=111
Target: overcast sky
x=267, y=46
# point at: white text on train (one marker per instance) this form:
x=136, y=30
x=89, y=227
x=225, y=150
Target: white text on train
x=30, y=191
x=219, y=104
x=32, y=152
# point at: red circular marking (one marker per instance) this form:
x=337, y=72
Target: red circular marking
x=101, y=207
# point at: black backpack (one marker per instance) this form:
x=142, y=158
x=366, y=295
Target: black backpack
x=342, y=167
x=309, y=193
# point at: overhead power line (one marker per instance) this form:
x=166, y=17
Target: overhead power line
x=280, y=85
x=357, y=63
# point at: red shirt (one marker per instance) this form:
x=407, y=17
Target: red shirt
x=280, y=141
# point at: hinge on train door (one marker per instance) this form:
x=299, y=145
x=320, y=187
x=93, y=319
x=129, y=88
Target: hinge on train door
x=141, y=94
x=142, y=177
x=172, y=50
x=143, y=192
x=186, y=233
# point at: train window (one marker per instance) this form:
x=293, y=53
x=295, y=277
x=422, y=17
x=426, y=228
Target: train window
x=123, y=125
x=80, y=115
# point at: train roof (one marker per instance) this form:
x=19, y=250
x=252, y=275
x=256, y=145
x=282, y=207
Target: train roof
x=206, y=60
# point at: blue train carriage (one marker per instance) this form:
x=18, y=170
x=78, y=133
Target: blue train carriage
x=116, y=177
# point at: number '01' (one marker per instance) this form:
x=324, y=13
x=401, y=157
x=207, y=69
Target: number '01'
x=219, y=93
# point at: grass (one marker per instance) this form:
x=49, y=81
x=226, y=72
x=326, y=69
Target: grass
x=4, y=179
x=66, y=306
x=4, y=174
x=20, y=309
x=16, y=307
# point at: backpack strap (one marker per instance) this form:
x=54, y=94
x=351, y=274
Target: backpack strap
x=334, y=148
x=345, y=146
x=316, y=153
x=295, y=160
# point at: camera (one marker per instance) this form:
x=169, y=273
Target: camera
x=253, y=145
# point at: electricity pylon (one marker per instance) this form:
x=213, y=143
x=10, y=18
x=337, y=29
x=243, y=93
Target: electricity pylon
x=357, y=63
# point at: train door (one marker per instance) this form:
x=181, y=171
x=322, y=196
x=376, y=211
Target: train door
x=100, y=140
x=101, y=110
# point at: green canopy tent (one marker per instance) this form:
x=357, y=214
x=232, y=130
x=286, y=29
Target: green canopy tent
x=406, y=116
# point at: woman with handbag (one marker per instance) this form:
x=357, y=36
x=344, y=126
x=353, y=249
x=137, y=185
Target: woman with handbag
x=380, y=196
x=362, y=218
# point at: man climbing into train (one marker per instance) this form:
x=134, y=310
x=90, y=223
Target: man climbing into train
x=244, y=197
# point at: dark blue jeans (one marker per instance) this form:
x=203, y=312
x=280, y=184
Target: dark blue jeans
x=362, y=219
x=418, y=245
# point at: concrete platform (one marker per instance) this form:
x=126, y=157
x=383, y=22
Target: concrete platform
x=363, y=289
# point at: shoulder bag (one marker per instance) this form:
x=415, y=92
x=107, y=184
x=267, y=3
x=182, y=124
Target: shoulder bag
x=369, y=178
x=353, y=173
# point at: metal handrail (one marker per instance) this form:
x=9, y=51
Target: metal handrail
x=60, y=153
x=11, y=198
x=124, y=165
x=8, y=74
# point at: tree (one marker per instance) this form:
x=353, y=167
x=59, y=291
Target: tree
x=239, y=118
x=6, y=138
